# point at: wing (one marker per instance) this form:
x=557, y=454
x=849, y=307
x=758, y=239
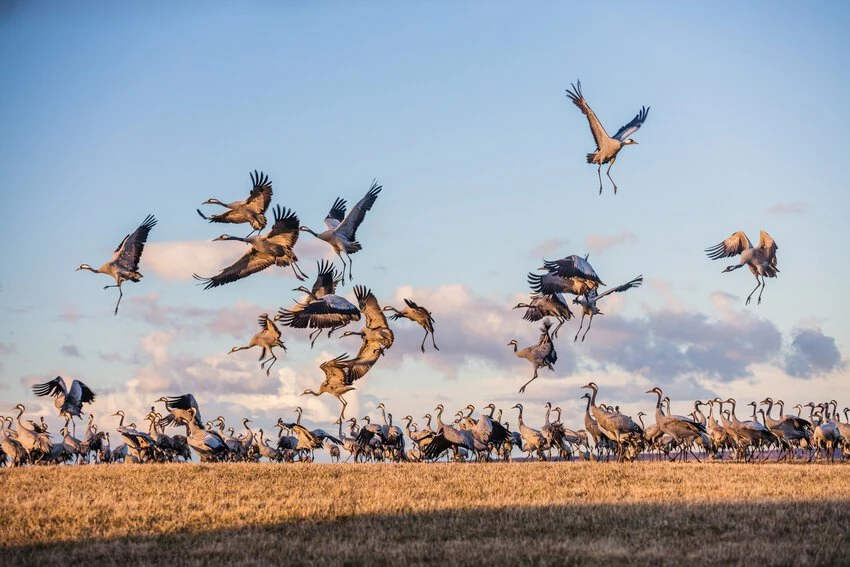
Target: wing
x=327, y=279
x=261, y=193
x=573, y=266
x=130, y=250
x=268, y=326
x=86, y=394
x=375, y=317
x=599, y=133
x=53, y=388
x=360, y=366
x=348, y=227
x=329, y=311
x=250, y=263
x=551, y=283
x=628, y=285
x=769, y=246
x=284, y=231
x=633, y=126
x=732, y=246
x=336, y=214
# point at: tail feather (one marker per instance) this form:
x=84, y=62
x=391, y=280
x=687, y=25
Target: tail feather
x=591, y=157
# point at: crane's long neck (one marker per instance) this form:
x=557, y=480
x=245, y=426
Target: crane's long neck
x=593, y=397
x=439, y=411
x=546, y=419
x=769, y=407
x=121, y=421
x=519, y=418
x=384, y=415
x=732, y=415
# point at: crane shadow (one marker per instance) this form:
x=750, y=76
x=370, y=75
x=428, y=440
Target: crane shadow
x=722, y=533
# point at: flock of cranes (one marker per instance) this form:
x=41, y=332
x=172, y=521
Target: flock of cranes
x=322, y=310
x=606, y=434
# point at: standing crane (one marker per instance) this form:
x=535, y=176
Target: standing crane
x=342, y=229
x=607, y=147
x=273, y=247
x=761, y=260
x=252, y=210
x=541, y=354
x=589, y=299
x=417, y=314
x=267, y=338
x=124, y=264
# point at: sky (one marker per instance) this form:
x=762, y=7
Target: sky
x=114, y=111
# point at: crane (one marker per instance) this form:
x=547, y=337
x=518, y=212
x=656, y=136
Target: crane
x=761, y=260
x=252, y=210
x=267, y=338
x=417, y=314
x=124, y=264
x=341, y=233
x=547, y=305
x=540, y=354
x=607, y=147
x=271, y=248
x=69, y=401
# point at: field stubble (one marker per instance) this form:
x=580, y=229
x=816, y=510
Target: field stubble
x=542, y=513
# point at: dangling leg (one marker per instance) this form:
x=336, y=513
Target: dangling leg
x=120, y=295
x=422, y=346
x=608, y=173
x=342, y=410
x=522, y=390
x=758, y=284
x=763, y=283
x=589, y=323
x=296, y=269
x=579, y=327
x=350, y=275
x=599, y=173
x=313, y=336
x=433, y=342
x=341, y=259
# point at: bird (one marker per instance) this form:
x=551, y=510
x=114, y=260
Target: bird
x=540, y=354
x=267, y=338
x=124, y=264
x=341, y=373
x=680, y=428
x=342, y=229
x=761, y=260
x=178, y=409
x=547, y=305
x=607, y=147
x=252, y=210
x=572, y=274
x=417, y=314
x=327, y=311
x=376, y=331
x=273, y=247
x=619, y=427
x=69, y=401
x=588, y=301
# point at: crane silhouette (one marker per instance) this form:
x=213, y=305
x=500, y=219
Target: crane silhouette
x=761, y=260
x=252, y=210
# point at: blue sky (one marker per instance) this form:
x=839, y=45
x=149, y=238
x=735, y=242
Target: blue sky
x=113, y=111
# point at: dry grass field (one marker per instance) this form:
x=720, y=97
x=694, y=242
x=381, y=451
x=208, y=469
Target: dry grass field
x=520, y=513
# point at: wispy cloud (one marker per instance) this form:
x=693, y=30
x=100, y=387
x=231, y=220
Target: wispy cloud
x=6, y=349
x=599, y=243
x=70, y=350
x=794, y=208
x=178, y=260
x=547, y=248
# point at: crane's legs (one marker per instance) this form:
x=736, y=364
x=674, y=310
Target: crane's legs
x=120, y=295
x=271, y=358
x=589, y=323
x=758, y=284
x=433, y=342
x=580, y=325
x=555, y=332
x=608, y=173
x=763, y=284
x=299, y=273
x=599, y=173
x=533, y=378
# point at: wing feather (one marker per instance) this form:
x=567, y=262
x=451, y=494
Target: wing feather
x=633, y=126
x=628, y=285
x=285, y=230
x=596, y=128
x=368, y=303
x=769, y=246
x=348, y=226
x=732, y=246
x=250, y=263
x=129, y=252
x=261, y=193
x=336, y=214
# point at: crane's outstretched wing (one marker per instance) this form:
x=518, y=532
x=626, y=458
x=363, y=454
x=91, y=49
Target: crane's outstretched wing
x=86, y=395
x=284, y=231
x=628, y=285
x=261, y=193
x=329, y=311
x=732, y=246
x=551, y=283
x=53, y=388
x=573, y=266
x=250, y=263
x=348, y=227
x=416, y=307
x=769, y=246
x=267, y=325
x=368, y=303
x=336, y=214
x=633, y=126
x=596, y=128
x=127, y=255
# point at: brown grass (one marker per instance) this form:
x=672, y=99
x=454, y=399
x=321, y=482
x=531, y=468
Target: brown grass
x=542, y=513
